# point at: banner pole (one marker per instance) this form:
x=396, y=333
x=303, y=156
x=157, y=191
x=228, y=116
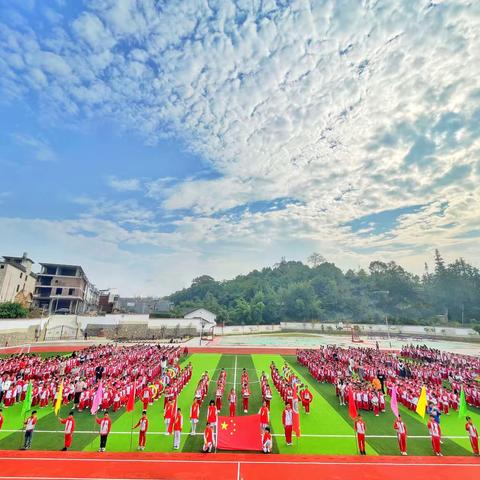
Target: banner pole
x=131, y=431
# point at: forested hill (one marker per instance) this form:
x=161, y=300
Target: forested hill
x=293, y=291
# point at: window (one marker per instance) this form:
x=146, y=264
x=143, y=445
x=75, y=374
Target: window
x=18, y=288
x=71, y=291
x=21, y=275
x=58, y=291
x=2, y=266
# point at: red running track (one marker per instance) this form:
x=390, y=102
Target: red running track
x=87, y=465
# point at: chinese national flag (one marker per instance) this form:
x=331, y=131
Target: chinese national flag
x=296, y=413
x=239, y=433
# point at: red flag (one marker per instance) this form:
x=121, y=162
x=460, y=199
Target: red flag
x=352, y=409
x=239, y=433
x=296, y=413
x=131, y=399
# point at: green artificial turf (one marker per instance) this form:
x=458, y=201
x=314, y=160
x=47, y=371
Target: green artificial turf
x=327, y=418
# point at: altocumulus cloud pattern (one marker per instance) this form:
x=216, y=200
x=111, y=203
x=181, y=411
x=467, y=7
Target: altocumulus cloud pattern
x=342, y=126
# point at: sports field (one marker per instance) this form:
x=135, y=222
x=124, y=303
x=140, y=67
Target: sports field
x=327, y=430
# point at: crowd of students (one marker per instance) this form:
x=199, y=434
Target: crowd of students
x=366, y=375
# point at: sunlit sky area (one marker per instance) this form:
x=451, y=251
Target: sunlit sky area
x=155, y=141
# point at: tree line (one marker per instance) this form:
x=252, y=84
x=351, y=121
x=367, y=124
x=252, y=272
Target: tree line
x=320, y=291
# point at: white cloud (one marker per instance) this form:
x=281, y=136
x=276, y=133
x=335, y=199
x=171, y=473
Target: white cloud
x=38, y=148
x=124, y=185
x=350, y=108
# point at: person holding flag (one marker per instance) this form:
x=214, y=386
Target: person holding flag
x=142, y=435
x=267, y=440
x=360, y=430
x=232, y=401
x=69, y=423
x=401, y=430
x=287, y=420
x=472, y=435
x=436, y=435
x=194, y=414
x=29, y=424
x=177, y=428
x=208, y=439
x=105, y=427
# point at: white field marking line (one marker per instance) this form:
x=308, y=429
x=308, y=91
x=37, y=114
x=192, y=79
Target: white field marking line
x=320, y=435
x=234, y=462
x=70, y=478
x=238, y=471
x=235, y=374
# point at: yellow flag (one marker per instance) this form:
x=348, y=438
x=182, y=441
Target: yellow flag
x=58, y=402
x=422, y=402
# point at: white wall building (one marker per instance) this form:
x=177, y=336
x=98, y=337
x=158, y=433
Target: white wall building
x=17, y=282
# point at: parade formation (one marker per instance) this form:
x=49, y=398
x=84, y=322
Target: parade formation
x=103, y=382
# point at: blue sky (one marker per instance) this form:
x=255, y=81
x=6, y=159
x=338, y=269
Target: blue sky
x=153, y=142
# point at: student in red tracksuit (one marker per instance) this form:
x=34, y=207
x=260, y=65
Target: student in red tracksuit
x=232, y=401
x=267, y=440
x=306, y=397
x=360, y=430
x=436, y=435
x=472, y=434
x=69, y=423
x=264, y=416
x=245, y=397
x=142, y=435
x=208, y=439
x=194, y=414
x=146, y=397
x=401, y=430
x=287, y=420
x=212, y=414
x=105, y=427
x=177, y=429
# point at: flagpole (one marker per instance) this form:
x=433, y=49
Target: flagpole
x=131, y=431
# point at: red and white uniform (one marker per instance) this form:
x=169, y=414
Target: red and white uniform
x=146, y=397
x=401, y=429
x=245, y=397
x=232, y=401
x=194, y=411
x=105, y=425
x=69, y=429
x=360, y=430
x=142, y=436
x=212, y=414
x=435, y=434
x=306, y=397
x=264, y=417
x=472, y=434
x=287, y=420
x=208, y=439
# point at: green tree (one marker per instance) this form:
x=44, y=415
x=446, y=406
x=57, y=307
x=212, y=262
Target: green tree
x=12, y=310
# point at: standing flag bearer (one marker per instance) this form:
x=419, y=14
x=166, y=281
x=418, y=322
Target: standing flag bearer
x=287, y=420
x=142, y=435
x=69, y=423
x=232, y=401
x=105, y=427
x=177, y=429
x=264, y=415
x=401, y=430
x=436, y=435
x=360, y=430
x=194, y=414
x=472, y=434
x=29, y=424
